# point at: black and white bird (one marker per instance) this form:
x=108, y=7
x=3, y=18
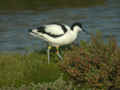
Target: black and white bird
x=57, y=35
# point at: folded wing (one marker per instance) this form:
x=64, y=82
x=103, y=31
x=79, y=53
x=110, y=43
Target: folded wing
x=55, y=30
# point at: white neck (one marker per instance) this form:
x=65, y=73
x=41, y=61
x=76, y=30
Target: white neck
x=77, y=29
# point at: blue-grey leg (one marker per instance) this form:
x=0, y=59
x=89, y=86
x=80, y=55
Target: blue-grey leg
x=58, y=54
x=48, y=51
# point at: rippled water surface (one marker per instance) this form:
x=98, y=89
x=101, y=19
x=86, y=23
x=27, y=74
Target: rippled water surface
x=14, y=25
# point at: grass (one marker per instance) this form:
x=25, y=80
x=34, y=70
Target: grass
x=90, y=66
x=17, y=69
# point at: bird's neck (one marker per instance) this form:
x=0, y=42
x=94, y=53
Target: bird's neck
x=76, y=29
x=75, y=33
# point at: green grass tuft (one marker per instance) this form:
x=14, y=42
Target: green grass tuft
x=17, y=69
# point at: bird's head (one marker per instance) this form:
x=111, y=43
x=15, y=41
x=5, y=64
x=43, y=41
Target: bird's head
x=77, y=27
x=33, y=32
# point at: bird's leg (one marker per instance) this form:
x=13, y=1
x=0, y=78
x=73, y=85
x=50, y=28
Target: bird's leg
x=57, y=48
x=49, y=47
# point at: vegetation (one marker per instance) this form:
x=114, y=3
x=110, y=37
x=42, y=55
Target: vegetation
x=16, y=69
x=94, y=65
x=58, y=84
x=46, y=4
x=90, y=66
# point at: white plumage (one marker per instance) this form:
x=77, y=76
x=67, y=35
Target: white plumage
x=57, y=34
x=54, y=29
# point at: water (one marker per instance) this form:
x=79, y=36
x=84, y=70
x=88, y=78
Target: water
x=14, y=25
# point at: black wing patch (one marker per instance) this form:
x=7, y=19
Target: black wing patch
x=64, y=28
x=41, y=29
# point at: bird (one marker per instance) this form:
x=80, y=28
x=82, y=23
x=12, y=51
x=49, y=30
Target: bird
x=57, y=34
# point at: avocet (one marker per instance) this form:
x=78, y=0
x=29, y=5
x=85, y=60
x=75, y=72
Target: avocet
x=57, y=35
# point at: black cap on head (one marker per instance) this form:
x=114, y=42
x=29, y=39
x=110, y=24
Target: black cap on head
x=76, y=24
x=80, y=25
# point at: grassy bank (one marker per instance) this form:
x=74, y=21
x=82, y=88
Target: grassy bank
x=93, y=65
x=17, y=69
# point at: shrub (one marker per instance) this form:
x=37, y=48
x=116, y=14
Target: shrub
x=93, y=65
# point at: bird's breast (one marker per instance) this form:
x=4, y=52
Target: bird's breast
x=65, y=39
